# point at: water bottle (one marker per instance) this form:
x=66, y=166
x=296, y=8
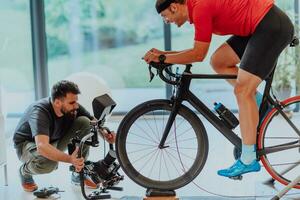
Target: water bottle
x=226, y=116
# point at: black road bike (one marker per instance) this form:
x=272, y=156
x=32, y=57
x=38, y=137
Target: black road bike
x=162, y=144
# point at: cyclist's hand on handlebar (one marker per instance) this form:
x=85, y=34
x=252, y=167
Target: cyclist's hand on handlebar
x=151, y=57
x=154, y=50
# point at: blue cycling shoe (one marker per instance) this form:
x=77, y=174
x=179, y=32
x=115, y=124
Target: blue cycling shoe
x=239, y=168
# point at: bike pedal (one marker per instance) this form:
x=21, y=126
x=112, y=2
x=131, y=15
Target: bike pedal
x=240, y=177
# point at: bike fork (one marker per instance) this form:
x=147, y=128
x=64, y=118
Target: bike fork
x=169, y=124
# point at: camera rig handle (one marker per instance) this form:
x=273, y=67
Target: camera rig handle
x=111, y=146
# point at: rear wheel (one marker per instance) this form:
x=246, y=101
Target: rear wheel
x=283, y=166
x=167, y=168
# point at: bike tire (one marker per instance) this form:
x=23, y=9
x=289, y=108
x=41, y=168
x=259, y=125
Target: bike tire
x=141, y=179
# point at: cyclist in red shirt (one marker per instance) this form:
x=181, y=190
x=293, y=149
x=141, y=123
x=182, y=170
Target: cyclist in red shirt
x=260, y=32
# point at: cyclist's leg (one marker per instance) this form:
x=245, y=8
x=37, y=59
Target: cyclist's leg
x=225, y=59
x=245, y=90
x=262, y=51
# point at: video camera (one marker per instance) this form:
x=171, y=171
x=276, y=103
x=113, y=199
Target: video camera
x=103, y=172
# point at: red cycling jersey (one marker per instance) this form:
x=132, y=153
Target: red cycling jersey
x=226, y=17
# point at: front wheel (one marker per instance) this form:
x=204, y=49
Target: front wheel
x=169, y=168
x=275, y=131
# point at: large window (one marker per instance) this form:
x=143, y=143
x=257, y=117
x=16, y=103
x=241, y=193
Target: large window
x=16, y=71
x=108, y=39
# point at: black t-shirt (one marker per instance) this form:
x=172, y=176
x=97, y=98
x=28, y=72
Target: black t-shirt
x=40, y=119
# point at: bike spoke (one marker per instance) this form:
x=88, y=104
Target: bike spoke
x=139, y=150
x=163, y=124
x=166, y=165
x=157, y=132
x=131, y=133
x=175, y=166
x=148, y=161
x=175, y=149
x=176, y=127
x=153, y=132
x=160, y=166
x=136, y=124
x=152, y=164
x=141, y=144
x=183, y=140
x=181, y=164
x=187, y=148
x=179, y=124
x=181, y=134
x=140, y=158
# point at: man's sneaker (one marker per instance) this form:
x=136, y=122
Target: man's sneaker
x=239, y=168
x=87, y=181
x=27, y=181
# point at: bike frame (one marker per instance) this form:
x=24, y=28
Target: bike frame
x=183, y=93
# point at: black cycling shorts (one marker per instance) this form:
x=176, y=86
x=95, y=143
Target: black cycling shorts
x=259, y=52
